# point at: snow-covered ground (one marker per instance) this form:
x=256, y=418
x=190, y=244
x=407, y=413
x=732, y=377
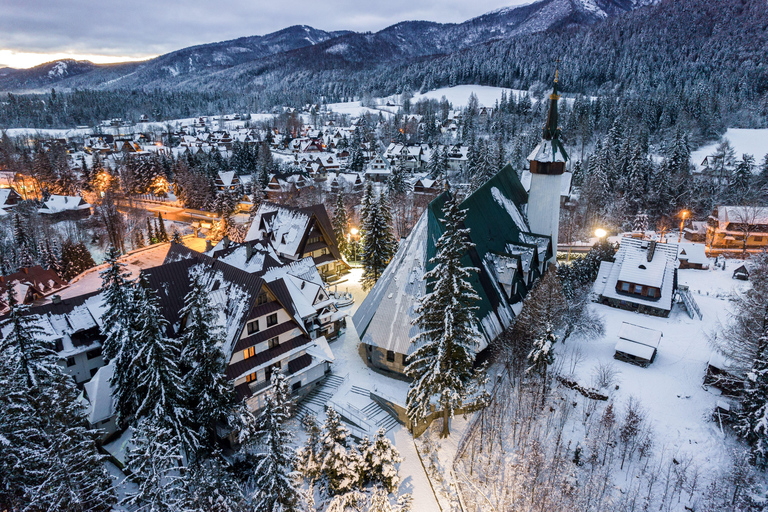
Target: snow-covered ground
x=670, y=389
x=459, y=95
x=355, y=109
x=750, y=141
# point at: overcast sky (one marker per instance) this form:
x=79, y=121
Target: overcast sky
x=37, y=31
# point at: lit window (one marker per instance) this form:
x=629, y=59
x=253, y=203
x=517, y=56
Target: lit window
x=250, y=377
x=249, y=352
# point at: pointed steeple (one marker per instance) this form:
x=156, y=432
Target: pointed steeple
x=551, y=131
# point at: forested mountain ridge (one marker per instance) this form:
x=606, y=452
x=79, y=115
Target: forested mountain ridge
x=190, y=68
x=689, y=60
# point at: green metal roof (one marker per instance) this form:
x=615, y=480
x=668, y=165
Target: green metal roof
x=492, y=226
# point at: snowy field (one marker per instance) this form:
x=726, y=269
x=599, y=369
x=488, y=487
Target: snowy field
x=750, y=141
x=459, y=95
x=670, y=389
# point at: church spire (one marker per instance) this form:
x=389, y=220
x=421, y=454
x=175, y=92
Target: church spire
x=551, y=131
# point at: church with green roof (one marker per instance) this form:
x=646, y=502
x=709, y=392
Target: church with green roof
x=510, y=252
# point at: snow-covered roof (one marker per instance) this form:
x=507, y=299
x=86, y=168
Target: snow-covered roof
x=319, y=349
x=751, y=215
x=547, y=152
x=692, y=253
x=99, y=394
x=639, y=334
x=384, y=317
x=638, y=350
x=636, y=269
x=631, y=254
x=57, y=204
x=5, y=194
x=226, y=178
x=511, y=208
x=284, y=226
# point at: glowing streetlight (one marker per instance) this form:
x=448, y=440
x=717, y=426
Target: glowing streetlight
x=354, y=232
x=683, y=215
x=600, y=233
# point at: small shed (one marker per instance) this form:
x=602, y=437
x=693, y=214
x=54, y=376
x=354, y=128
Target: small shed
x=637, y=345
x=722, y=374
x=741, y=273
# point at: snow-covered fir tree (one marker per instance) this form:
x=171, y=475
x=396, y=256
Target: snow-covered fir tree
x=275, y=484
x=48, y=458
x=162, y=234
x=542, y=355
x=380, y=459
x=75, y=259
x=368, y=199
x=210, y=486
x=753, y=417
x=158, y=390
x=117, y=290
x=378, y=244
x=211, y=396
x=155, y=461
x=340, y=223
x=441, y=365
x=337, y=461
x=307, y=460
x=396, y=183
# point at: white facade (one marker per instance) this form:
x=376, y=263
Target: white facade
x=544, y=207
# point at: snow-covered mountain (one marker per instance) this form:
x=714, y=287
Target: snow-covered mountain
x=205, y=65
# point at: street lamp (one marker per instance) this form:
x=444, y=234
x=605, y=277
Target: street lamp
x=600, y=233
x=354, y=232
x=683, y=215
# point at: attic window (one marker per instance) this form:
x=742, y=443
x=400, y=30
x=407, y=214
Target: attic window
x=641, y=266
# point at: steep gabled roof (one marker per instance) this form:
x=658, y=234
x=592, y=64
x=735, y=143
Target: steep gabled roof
x=496, y=220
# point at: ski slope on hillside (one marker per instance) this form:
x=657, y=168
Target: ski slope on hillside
x=743, y=140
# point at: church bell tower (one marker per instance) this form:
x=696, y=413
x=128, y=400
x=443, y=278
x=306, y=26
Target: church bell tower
x=547, y=167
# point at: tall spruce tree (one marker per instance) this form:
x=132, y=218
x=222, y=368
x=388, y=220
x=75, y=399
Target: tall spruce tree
x=441, y=366
x=162, y=234
x=340, y=223
x=753, y=417
x=211, y=396
x=155, y=463
x=337, y=467
x=117, y=290
x=380, y=459
x=275, y=483
x=378, y=244
x=48, y=458
x=158, y=390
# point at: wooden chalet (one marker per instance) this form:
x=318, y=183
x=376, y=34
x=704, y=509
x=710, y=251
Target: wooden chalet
x=297, y=233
